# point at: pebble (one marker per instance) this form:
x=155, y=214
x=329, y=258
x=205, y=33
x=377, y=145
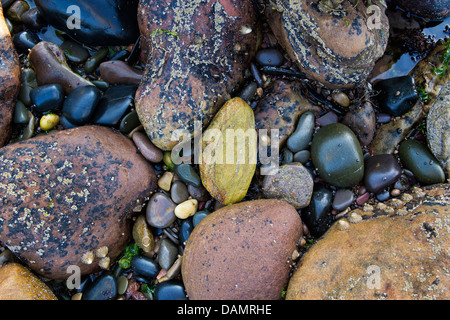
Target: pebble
x=21, y=113
x=381, y=171
x=119, y=72
x=269, y=57
x=302, y=156
x=199, y=193
x=122, y=284
x=146, y=148
x=353, y=217
x=170, y=290
x=186, y=209
x=186, y=227
x=301, y=137
x=16, y=10
x=383, y=118
x=167, y=253
x=74, y=52
x=328, y=118
x=395, y=192
x=341, y=98
x=129, y=122
x=179, y=192
x=362, y=198
x=47, y=97
x=165, y=181
x=25, y=40
x=80, y=104
x=48, y=121
x=145, y=267
x=160, y=211
x=188, y=175
x=94, y=61
x=33, y=19
x=317, y=216
x=104, y=287
x=199, y=216
x=343, y=225
x=362, y=121
x=342, y=199
x=142, y=235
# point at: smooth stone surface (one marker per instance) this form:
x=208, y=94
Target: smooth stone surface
x=199, y=193
x=118, y=25
x=317, y=216
x=396, y=96
x=167, y=253
x=199, y=216
x=291, y=183
x=113, y=105
x=410, y=250
x=362, y=121
x=16, y=10
x=93, y=179
x=74, y=51
x=25, y=40
x=302, y=156
x=428, y=9
x=269, y=57
x=337, y=154
x=10, y=79
x=47, y=97
x=302, y=136
x=170, y=290
x=94, y=61
x=328, y=118
x=19, y=283
x=186, y=209
x=179, y=192
x=120, y=72
x=245, y=248
x=188, y=174
x=160, y=211
x=186, y=227
x=380, y=171
x=145, y=267
x=33, y=19
x=129, y=122
x=104, y=287
x=416, y=157
x=21, y=113
x=80, y=104
x=342, y=199
x=341, y=98
x=146, y=147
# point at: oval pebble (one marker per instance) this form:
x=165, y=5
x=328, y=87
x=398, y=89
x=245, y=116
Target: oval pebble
x=186, y=209
x=199, y=216
x=145, y=266
x=186, y=227
x=147, y=148
x=80, y=104
x=47, y=97
x=269, y=57
x=167, y=253
x=179, y=192
x=160, y=211
x=301, y=137
x=187, y=174
x=342, y=199
x=170, y=290
x=104, y=287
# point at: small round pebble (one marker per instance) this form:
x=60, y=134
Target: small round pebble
x=186, y=209
x=147, y=148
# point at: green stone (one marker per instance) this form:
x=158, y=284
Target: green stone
x=21, y=113
x=74, y=52
x=188, y=174
x=417, y=158
x=337, y=154
x=129, y=122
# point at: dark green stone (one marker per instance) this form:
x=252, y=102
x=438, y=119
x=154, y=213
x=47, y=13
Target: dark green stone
x=337, y=154
x=129, y=122
x=21, y=113
x=188, y=174
x=416, y=157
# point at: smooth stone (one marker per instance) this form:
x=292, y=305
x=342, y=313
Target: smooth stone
x=80, y=104
x=239, y=252
x=341, y=98
x=362, y=199
x=302, y=156
x=188, y=174
x=119, y=72
x=301, y=137
x=146, y=147
x=249, y=91
x=199, y=216
x=74, y=51
x=129, y=122
x=102, y=85
x=25, y=40
x=142, y=235
x=362, y=121
x=33, y=19
x=48, y=121
x=381, y=171
x=118, y=25
x=416, y=157
x=95, y=60
x=269, y=57
x=427, y=9
x=122, y=284
x=113, y=105
x=396, y=96
x=337, y=154
x=16, y=10
x=167, y=253
x=66, y=123
x=104, y=287
x=165, y=182
x=160, y=211
x=199, y=193
x=383, y=118
x=343, y=199
x=179, y=192
x=19, y=283
x=170, y=290
x=47, y=97
x=144, y=266
x=10, y=78
x=186, y=227
x=292, y=183
x=317, y=216
x=49, y=62
x=186, y=209
x=328, y=118
x=383, y=196
x=51, y=34
x=288, y=156
x=21, y=113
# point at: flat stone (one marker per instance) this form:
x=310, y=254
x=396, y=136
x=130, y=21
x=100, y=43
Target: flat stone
x=362, y=121
x=396, y=96
x=146, y=147
x=343, y=199
x=160, y=211
x=380, y=171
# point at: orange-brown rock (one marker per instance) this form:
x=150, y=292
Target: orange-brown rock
x=66, y=194
x=10, y=80
x=242, y=251
x=400, y=252
x=19, y=283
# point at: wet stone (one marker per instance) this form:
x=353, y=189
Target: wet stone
x=33, y=19
x=269, y=57
x=74, y=51
x=362, y=121
x=80, y=104
x=343, y=199
x=167, y=253
x=25, y=40
x=199, y=193
x=47, y=97
x=301, y=137
x=328, y=118
x=317, y=216
x=104, y=287
x=119, y=72
x=302, y=156
x=186, y=227
x=188, y=174
x=381, y=171
x=179, y=192
x=94, y=61
x=199, y=216
x=21, y=113
x=129, y=122
x=144, y=266
x=170, y=290
x=160, y=211
x=146, y=147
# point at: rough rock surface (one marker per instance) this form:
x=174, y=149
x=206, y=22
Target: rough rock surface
x=428, y=9
x=69, y=193
x=400, y=252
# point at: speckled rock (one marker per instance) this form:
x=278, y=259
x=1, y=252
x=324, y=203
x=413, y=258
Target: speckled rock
x=241, y=251
x=428, y=9
x=334, y=45
x=362, y=121
x=407, y=249
x=10, y=79
x=66, y=194
x=19, y=283
x=438, y=128
x=193, y=65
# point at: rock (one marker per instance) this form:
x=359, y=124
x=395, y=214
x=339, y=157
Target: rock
x=16, y=10
x=396, y=96
x=438, y=128
x=104, y=287
x=292, y=183
x=142, y=235
x=119, y=72
x=336, y=46
x=269, y=57
x=70, y=192
x=399, y=257
x=362, y=121
x=170, y=290
x=186, y=227
x=416, y=157
x=241, y=251
x=74, y=51
x=188, y=175
x=281, y=109
x=179, y=192
x=389, y=135
x=328, y=118
x=341, y=98
x=49, y=63
x=25, y=40
x=10, y=79
x=342, y=199
x=167, y=253
x=317, y=216
x=80, y=104
x=228, y=165
x=337, y=154
x=146, y=147
x=299, y=140
x=48, y=121
x=94, y=61
x=380, y=171
x=118, y=25
x=194, y=62
x=129, y=122
x=186, y=209
x=427, y=9
x=160, y=211
x=47, y=98
x=19, y=283
x=302, y=156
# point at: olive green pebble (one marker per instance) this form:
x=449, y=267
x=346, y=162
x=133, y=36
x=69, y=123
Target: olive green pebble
x=49, y=121
x=188, y=174
x=94, y=61
x=122, y=284
x=16, y=10
x=21, y=113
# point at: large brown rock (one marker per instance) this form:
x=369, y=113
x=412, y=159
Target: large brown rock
x=241, y=251
x=10, y=80
x=19, y=283
x=69, y=193
x=196, y=53
x=338, y=45
x=401, y=252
